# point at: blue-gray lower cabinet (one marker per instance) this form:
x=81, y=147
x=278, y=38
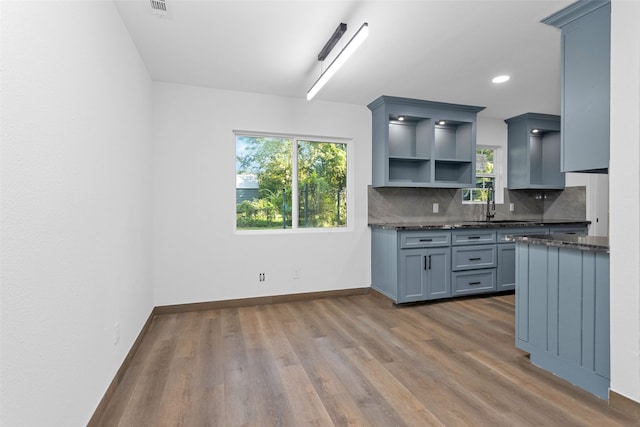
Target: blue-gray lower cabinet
x=468, y=282
x=409, y=266
x=562, y=313
x=473, y=261
x=581, y=230
x=424, y=274
x=506, y=272
x=420, y=265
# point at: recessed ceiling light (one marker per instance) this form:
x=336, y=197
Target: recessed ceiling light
x=401, y=118
x=501, y=79
x=442, y=122
x=535, y=130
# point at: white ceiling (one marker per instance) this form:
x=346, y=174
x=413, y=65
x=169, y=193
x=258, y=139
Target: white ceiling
x=443, y=50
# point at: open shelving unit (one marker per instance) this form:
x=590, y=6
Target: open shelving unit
x=420, y=143
x=534, y=147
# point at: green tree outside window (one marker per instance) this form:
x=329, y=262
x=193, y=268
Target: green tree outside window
x=268, y=169
x=485, y=177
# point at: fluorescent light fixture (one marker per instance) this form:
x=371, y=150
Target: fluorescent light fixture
x=354, y=43
x=501, y=79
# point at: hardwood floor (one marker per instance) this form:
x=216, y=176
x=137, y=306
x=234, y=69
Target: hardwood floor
x=346, y=361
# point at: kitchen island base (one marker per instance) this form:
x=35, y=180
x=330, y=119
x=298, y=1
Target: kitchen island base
x=562, y=309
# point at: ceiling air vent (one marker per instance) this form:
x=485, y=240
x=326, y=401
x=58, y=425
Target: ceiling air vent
x=159, y=7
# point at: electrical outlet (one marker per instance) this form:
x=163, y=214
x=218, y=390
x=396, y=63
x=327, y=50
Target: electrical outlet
x=512, y=207
x=436, y=208
x=262, y=277
x=116, y=333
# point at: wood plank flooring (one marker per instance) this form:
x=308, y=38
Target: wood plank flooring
x=346, y=361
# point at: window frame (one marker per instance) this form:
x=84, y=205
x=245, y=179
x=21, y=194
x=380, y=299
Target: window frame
x=499, y=161
x=295, y=215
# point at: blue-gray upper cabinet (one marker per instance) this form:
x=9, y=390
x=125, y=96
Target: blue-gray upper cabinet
x=586, y=37
x=533, y=147
x=420, y=143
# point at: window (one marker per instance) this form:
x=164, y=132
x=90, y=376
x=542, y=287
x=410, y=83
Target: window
x=287, y=182
x=486, y=176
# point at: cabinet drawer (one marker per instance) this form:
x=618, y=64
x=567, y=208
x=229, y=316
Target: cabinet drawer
x=520, y=231
x=580, y=230
x=471, y=282
x=472, y=257
x=472, y=237
x=424, y=239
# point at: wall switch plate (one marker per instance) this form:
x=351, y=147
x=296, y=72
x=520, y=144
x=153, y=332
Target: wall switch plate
x=436, y=208
x=511, y=207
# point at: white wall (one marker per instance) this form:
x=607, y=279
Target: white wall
x=197, y=255
x=625, y=198
x=76, y=187
x=597, y=199
x=493, y=132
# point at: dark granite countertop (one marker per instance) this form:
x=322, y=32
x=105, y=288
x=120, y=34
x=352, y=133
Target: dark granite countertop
x=458, y=224
x=570, y=241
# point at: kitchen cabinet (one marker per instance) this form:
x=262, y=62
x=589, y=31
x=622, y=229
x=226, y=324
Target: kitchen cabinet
x=473, y=261
x=419, y=143
x=424, y=274
x=506, y=271
x=410, y=266
x=420, y=265
x=533, y=149
x=562, y=312
x=586, y=36
x=581, y=230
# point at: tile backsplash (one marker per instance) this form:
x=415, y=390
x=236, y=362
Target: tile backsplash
x=416, y=205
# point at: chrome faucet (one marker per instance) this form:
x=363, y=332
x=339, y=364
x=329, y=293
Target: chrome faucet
x=491, y=203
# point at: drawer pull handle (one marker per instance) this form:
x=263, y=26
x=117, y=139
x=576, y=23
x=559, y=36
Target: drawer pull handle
x=474, y=283
x=473, y=237
x=475, y=259
x=426, y=240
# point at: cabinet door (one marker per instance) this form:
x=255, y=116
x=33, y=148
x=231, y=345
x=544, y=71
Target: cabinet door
x=438, y=262
x=413, y=269
x=585, y=102
x=506, y=266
